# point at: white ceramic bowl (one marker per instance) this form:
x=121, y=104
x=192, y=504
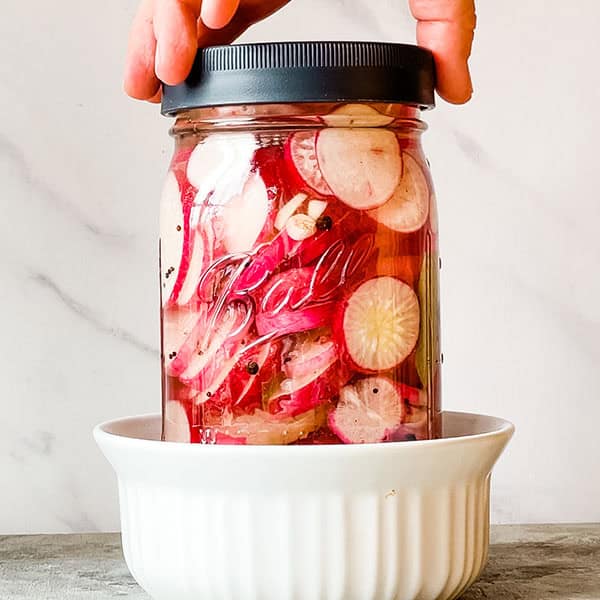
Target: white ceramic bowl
x=398, y=521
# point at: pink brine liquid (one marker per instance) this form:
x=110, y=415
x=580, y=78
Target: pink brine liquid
x=299, y=285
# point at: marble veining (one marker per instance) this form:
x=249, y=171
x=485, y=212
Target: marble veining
x=41, y=443
x=88, y=315
x=14, y=156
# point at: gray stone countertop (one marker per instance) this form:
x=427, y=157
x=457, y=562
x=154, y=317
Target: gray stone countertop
x=529, y=562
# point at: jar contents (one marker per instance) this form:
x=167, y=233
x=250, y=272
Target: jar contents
x=299, y=284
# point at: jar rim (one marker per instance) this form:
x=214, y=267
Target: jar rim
x=293, y=116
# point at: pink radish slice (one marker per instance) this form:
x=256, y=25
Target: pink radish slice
x=380, y=323
x=230, y=367
x=407, y=210
x=367, y=411
x=286, y=322
x=206, y=341
x=311, y=374
x=319, y=391
x=271, y=255
x=176, y=425
x=174, y=236
x=356, y=115
x=361, y=166
x=266, y=260
x=184, y=355
x=243, y=380
x=301, y=152
x=261, y=428
x=312, y=354
x=224, y=439
x=214, y=375
x=245, y=216
x=288, y=306
x=219, y=164
x=197, y=259
x=289, y=289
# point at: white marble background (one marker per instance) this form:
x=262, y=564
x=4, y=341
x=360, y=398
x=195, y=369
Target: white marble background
x=80, y=170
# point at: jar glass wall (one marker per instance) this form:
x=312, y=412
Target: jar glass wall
x=299, y=277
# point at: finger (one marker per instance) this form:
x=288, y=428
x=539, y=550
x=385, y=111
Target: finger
x=446, y=27
x=217, y=37
x=176, y=41
x=139, y=79
x=216, y=14
x=248, y=13
x=157, y=97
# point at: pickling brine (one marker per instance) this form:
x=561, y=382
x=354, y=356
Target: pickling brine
x=299, y=277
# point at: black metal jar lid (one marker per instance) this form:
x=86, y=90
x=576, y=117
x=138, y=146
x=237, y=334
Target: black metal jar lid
x=282, y=72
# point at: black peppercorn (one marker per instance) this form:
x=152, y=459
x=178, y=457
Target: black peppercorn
x=324, y=223
x=252, y=368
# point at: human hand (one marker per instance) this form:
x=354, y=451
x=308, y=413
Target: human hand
x=446, y=27
x=167, y=33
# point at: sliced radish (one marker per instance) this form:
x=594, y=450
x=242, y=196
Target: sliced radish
x=287, y=290
x=288, y=209
x=245, y=216
x=300, y=227
x=318, y=392
x=198, y=258
x=177, y=326
x=316, y=208
x=264, y=428
x=408, y=432
x=176, y=425
x=180, y=160
x=310, y=375
x=361, y=166
x=356, y=115
x=207, y=340
x=285, y=251
x=263, y=263
x=174, y=234
x=300, y=152
x=285, y=322
x=245, y=380
x=219, y=163
x=288, y=305
x=380, y=323
x=309, y=355
x=232, y=382
x=408, y=208
x=367, y=411
x=176, y=390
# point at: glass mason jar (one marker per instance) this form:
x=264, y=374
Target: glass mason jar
x=298, y=248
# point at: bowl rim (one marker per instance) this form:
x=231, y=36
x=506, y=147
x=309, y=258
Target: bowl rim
x=499, y=428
